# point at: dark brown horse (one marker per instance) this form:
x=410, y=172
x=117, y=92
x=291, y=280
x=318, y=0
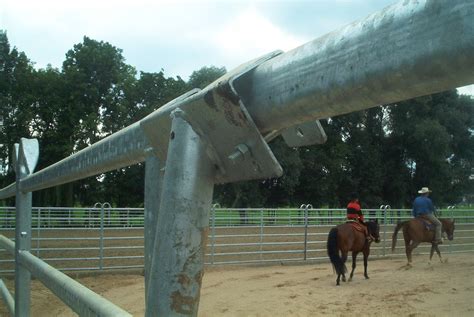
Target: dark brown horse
x=345, y=238
x=415, y=232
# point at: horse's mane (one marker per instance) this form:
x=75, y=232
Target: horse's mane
x=372, y=225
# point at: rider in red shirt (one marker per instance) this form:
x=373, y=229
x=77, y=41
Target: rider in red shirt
x=353, y=209
x=354, y=213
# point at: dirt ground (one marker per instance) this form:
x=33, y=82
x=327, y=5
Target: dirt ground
x=436, y=289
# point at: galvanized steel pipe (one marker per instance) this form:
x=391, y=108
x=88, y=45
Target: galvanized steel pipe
x=81, y=299
x=409, y=49
x=120, y=149
x=8, y=191
x=177, y=265
x=7, y=298
x=7, y=244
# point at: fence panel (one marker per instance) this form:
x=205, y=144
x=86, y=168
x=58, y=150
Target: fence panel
x=72, y=239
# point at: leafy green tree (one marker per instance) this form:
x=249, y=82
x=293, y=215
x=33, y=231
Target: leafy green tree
x=204, y=76
x=16, y=97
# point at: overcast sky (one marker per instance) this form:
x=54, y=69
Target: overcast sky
x=176, y=36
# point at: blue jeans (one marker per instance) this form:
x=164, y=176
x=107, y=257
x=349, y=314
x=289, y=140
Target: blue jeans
x=437, y=224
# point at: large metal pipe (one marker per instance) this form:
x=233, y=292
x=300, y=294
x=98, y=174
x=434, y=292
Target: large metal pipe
x=81, y=299
x=8, y=191
x=409, y=49
x=177, y=265
x=7, y=244
x=7, y=298
x=121, y=149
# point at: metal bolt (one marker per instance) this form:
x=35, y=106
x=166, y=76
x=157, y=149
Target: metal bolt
x=240, y=151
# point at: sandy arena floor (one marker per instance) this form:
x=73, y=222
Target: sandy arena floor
x=437, y=289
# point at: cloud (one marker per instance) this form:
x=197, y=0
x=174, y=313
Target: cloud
x=466, y=90
x=250, y=34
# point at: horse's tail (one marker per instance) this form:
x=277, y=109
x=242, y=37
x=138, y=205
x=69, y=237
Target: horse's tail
x=333, y=253
x=394, y=236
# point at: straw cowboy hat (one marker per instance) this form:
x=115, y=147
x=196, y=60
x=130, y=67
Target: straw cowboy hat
x=424, y=190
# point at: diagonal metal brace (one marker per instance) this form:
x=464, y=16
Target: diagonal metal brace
x=218, y=116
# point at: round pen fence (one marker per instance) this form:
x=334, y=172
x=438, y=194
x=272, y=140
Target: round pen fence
x=219, y=135
x=92, y=239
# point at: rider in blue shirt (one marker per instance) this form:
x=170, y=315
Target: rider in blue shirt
x=423, y=206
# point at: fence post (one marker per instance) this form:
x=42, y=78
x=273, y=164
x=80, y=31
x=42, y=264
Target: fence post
x=101, y=241
x=38, y=230
x=213, y=231
x=153, y=184
x=25, y=159
x=183, y=223
x=305, y=207
x=383, y=208
x=261, y=234
x=451, y=213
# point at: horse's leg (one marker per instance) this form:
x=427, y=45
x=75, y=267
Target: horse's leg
x=410, y=248
x=366, y=257
x=354, y=257
x=407, y=240
x=432, y=251
x=344, y=259
x=439, y=253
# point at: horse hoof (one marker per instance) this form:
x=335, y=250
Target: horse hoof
x=366, y=277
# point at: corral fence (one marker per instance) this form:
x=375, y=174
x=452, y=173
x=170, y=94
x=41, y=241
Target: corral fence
x=220, y=134
x=105, y=238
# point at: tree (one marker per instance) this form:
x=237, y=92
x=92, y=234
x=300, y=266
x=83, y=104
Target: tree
x=204, y=76
x=16, y=97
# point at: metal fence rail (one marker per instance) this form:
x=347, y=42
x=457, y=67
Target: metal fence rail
x=220, y=134
x=94, y=239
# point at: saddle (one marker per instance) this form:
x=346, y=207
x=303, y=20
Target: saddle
x=427, y=224
x=358, y=226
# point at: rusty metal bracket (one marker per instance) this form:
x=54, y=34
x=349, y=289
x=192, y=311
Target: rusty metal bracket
x=305, y=134
x=218, y=116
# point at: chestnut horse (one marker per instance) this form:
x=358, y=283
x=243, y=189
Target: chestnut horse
x=345, y=238
x=415, y=231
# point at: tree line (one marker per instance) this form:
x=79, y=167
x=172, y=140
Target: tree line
x=384, y=153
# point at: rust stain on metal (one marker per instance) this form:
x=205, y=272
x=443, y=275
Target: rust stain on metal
x=204, y=237
x=198, y=277
x=182, y=304
x=225, y=91
x=210, y=101
x=184, y=280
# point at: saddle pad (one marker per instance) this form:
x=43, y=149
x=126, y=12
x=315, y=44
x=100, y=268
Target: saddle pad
x=426, y=223
x=357, y=226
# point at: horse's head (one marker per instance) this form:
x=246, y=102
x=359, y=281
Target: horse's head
x=448, y=227
x=374, y=230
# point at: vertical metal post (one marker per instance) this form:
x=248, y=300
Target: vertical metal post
x=101, y=239
x=153, y=179
x=213, y=232
x=38, y=232
x=26, y=155
x=384, y=210
x=261, y=234
x=451, y=214
x=305, y=231
x=183, y=223
x=128, y=217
